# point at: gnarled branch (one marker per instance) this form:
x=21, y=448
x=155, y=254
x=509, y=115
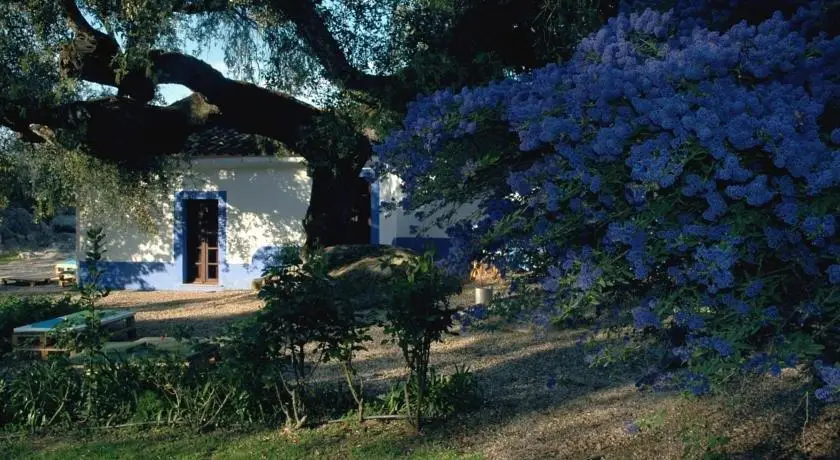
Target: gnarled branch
x=201, y=6
x=310, y=27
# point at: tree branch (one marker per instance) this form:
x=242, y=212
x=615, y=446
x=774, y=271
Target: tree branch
x=113, y=128
x=201, y=6
x=76, y=20
x=311, y=28
x=92, y=54
x=243, y=106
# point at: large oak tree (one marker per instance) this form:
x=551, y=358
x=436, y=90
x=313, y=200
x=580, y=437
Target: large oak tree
x=375, y=55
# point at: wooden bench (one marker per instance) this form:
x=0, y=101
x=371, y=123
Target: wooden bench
x=40, y=337
x=65, y=273
x=31, y=282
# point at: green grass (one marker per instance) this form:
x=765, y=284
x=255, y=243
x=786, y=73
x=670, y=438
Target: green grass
x=6, y=257
x=344, y=441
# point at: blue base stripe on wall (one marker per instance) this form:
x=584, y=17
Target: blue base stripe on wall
x=158, y=276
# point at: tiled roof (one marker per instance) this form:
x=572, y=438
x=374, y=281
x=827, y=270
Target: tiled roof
x=220, y=141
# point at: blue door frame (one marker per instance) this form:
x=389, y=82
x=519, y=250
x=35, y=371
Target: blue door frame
x=180, y=239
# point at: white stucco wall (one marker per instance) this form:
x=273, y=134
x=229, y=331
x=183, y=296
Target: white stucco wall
x=398, y=224
x=267, y=199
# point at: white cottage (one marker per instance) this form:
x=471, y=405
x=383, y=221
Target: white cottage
x=238, y=205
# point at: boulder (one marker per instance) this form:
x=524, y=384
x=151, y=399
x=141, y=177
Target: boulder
x=363, y=272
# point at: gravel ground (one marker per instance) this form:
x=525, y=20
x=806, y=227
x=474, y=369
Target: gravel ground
x=587, y=414
x=158, y=312
x=36, y=265
x=208, y=313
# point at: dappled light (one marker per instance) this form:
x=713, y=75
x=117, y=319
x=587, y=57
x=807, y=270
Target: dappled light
x=263, y=207
x=505, y=229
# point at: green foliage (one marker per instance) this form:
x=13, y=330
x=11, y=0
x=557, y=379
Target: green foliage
x=446, y=395
x=304, y=323
x=182, y=332
x=419, y=316
x=18, y=311
x=44, y=178
x=452, y=394
x=55, y=393
x=268, y=359
x=43, y=394
x=93, y=336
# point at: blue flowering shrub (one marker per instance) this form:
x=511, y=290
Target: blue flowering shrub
x=678, y=176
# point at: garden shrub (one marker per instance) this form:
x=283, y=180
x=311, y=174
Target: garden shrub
x=93, y=336
x=420, y=315
x=57, y=394
x=304, y=322
x=17, y=311
x=446, y=395
x=678, y=175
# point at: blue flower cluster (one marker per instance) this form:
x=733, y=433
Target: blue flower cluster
x=831, y=378
x=674, y=165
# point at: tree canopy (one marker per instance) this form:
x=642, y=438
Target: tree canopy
x=83, y=75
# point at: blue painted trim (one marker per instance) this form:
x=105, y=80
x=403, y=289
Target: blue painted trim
x=160, y=276
x=369, y=175
x=180, y=237
x=166, y=276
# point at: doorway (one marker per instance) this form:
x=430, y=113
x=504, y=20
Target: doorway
x=202, y=231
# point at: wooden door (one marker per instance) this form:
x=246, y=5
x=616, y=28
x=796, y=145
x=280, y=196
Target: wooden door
x=203, y=241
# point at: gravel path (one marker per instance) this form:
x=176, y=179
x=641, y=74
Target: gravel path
x=208, y=313
x=36, y=265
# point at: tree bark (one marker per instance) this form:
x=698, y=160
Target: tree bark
x=328, y=218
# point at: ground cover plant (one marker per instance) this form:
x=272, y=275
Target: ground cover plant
x=676, y=180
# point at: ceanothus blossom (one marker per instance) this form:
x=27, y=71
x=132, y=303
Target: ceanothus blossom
x=674, y=152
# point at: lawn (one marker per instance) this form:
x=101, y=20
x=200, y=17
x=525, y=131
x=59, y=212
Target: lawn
x=6, y=257
x=334, y=441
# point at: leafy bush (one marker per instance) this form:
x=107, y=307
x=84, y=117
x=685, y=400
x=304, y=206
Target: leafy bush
x=303, y=323
x=445, y=394
x=44, y=394
x=18, y=311
x=678, y=175
x=93, y=336
x=419, y=316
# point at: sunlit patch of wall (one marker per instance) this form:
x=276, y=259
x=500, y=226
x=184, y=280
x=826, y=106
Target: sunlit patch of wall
x=265, y=200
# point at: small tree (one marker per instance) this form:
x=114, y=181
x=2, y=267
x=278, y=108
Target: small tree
x=419, y=316
x=302, y=314
x=92, y=337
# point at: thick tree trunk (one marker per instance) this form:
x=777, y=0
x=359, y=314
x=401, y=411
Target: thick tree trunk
x=328, y=219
